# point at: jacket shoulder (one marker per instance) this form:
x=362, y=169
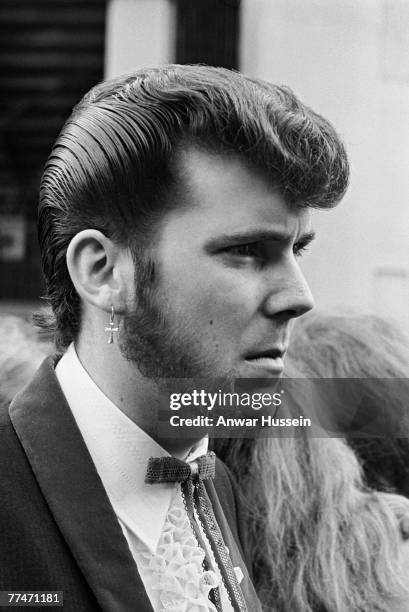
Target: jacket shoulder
x=4, y=415
x=13, y=460
x=8, y=436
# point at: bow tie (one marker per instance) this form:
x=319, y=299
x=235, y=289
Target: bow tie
x=170, y=469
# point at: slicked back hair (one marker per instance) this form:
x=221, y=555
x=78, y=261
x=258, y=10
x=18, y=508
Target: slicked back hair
x=112, y=167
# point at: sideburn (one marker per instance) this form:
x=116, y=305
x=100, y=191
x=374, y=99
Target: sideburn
x=159, y=347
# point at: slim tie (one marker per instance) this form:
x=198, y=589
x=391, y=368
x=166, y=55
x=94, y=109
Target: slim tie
x=191, y=476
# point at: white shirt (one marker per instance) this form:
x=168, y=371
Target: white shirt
x=120, y=451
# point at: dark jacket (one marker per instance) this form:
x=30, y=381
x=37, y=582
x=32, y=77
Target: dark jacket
x=58, y=531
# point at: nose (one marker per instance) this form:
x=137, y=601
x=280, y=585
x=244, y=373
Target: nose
x=288, y=295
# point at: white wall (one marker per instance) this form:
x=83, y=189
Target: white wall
x=349, y=60
x=139, y=33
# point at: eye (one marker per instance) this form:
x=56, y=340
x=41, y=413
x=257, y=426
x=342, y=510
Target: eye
x=245, y=250
x=300, y=248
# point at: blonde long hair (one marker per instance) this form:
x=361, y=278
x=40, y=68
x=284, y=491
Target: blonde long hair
x=319, y=541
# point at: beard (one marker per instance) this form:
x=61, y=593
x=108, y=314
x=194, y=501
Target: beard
x=161, y=346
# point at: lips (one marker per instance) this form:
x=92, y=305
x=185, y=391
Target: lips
x=270, y=353
x=266, y=361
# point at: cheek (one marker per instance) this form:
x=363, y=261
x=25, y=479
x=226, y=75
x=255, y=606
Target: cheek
x=215, y=301
x=220, y=310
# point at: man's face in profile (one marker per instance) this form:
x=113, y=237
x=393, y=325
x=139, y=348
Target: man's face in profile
x=228, y=281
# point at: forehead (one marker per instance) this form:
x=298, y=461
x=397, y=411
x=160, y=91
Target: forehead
x=223, y=193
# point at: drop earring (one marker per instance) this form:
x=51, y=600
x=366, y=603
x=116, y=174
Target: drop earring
x=111, y=328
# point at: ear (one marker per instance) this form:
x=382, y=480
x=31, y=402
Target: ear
x=100, y=270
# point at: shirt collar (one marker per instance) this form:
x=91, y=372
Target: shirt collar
x=120, y=451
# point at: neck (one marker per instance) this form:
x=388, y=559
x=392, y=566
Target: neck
x=121, y=381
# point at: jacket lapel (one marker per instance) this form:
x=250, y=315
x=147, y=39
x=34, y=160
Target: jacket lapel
x=74, y=493
x=250, y=596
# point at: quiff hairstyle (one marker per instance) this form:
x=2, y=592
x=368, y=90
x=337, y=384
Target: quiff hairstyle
x=113, y=167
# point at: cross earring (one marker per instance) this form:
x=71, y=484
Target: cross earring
x=111, y=328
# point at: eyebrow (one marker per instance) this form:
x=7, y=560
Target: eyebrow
x=256, y=235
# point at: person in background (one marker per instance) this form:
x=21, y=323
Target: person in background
x=320, y=540
x=21, y=352
x=374, y=351
x=325, y=534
